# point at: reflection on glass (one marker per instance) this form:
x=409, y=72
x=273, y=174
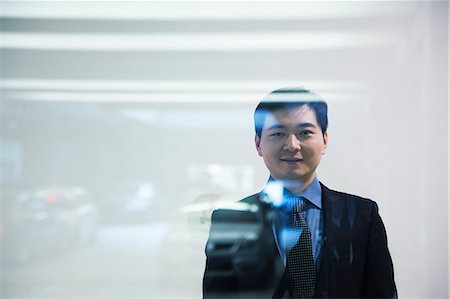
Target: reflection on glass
x=46, y=222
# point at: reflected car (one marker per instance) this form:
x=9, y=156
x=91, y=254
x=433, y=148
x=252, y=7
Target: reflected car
x=181, y=257
x=128, y=202
x=240, y=245
x=183, y=246
x=47, y=221
x=202, y=205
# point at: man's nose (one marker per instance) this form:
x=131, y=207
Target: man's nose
x=292, y=143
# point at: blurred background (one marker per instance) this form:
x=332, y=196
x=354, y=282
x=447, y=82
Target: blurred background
x=124, y=124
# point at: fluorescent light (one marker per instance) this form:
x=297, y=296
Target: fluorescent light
x=249, y=41
x=190, y=91
x=128, y=97
x=165, y=97
x=188, y=10
x=263, y=86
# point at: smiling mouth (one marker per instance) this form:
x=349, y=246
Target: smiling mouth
x=291, y=160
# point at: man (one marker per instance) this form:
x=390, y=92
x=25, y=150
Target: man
x=328, y=244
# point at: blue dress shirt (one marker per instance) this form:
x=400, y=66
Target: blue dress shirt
x=311, y=200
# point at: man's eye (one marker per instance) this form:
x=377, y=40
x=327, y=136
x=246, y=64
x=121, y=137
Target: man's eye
x=306, y=133
x=277, y=134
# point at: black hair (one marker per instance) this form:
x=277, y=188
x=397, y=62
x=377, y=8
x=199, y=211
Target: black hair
x=291, y=97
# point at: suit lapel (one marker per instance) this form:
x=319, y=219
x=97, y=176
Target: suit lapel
x=338, y=223
x=330, y=205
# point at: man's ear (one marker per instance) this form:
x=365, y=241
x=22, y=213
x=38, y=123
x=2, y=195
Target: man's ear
x=257, y=144
x=325, y=142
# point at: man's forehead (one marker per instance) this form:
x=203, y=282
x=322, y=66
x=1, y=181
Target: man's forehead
x=291, y=115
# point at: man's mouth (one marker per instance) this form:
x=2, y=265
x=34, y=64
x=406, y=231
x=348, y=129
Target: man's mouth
x=291, y=160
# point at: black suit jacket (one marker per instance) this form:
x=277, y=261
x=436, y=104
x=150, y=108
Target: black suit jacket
x=355, y=259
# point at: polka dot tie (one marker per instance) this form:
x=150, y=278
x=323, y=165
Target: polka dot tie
x=300, y=261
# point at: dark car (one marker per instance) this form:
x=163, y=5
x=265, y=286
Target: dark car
x=47, y=221
x=240, y=245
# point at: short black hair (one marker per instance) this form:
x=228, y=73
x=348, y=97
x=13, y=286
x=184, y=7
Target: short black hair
x=291, y=97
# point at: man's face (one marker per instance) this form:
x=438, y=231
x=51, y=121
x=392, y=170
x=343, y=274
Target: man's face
x=292, y=144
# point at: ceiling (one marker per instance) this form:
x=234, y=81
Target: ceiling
x=191, y=52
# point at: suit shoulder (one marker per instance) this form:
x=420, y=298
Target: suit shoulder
x=251, y=198
x=334, y=194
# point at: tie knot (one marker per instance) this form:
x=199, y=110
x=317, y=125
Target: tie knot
x=292, y=204
x=297, y=204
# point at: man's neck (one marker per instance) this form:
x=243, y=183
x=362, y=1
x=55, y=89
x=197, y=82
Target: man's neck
x=297, y=186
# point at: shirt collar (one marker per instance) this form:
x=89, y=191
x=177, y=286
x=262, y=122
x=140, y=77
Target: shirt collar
x=313, y=193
